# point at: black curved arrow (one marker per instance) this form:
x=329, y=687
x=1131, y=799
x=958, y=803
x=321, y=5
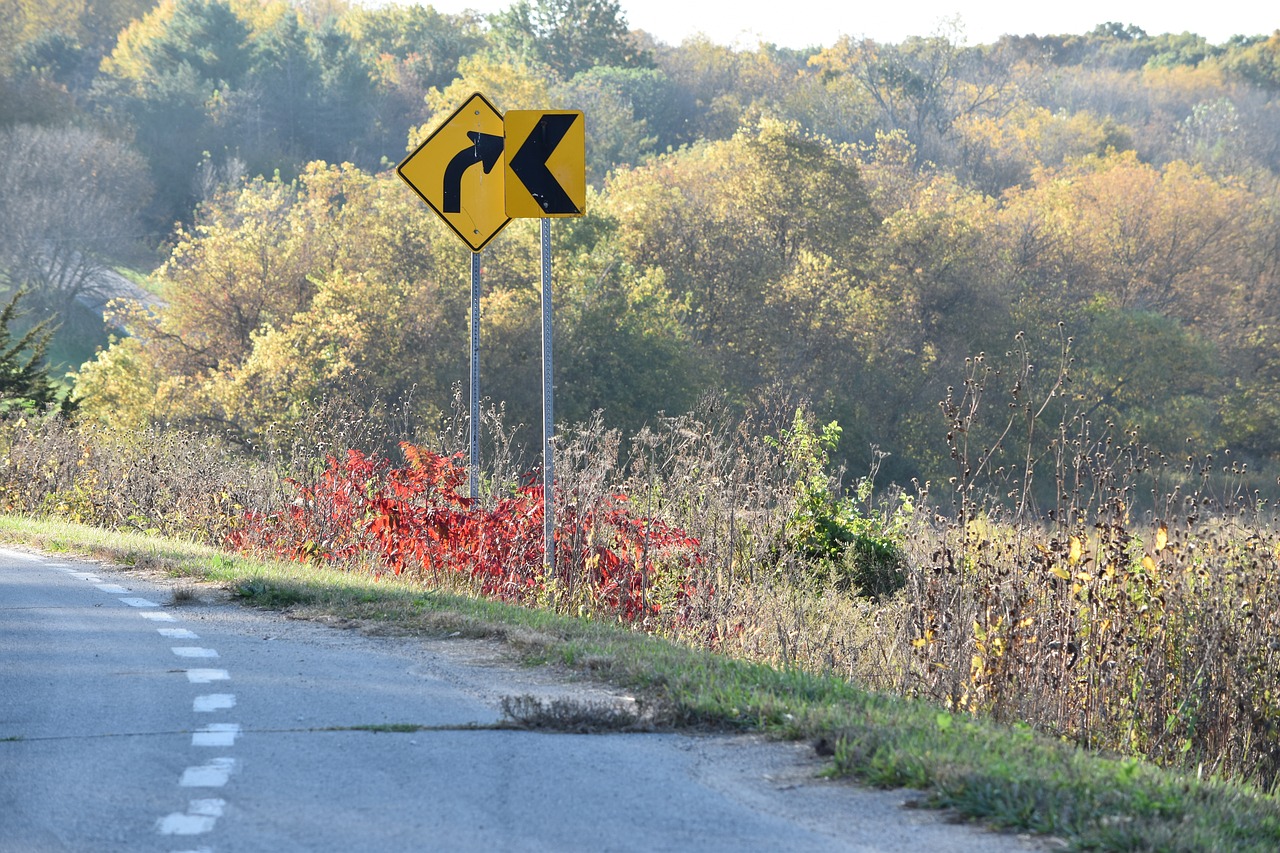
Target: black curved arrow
x=530, y=163
x=486, y=149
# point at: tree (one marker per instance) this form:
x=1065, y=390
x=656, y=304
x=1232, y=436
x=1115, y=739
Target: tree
x=937, y=269
x=924, y=85
x=284, y=293
x=709, y=105
x=119, y=386
x=1180, y=49
x=90, y=25
x=31, y=98
x=364, y=341
x=24, y=373
x=248, y=83
x=834, y=105
x=623, y=347
x=1146, y=373
x=306, y=94
x=994, y=153
x=628, y=109
x=205, y=36
x=409, y=50
x=344, y=107
x=508, y=83
x=69, y=204
x=569, y=36
x=1257, y=63
x=719, y=89
x=762, y=240
x=1213, y=136
x=1163, y=240
x=415, y=39
x=171, y=69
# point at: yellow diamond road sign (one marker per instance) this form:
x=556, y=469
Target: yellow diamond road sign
x=546, y=172
x=458, y=171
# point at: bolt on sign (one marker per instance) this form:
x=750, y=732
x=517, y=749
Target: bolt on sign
x=459, y=172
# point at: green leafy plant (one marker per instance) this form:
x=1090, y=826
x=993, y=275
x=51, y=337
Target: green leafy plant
x=856, y=550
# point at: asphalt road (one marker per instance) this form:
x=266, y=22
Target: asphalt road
x=129, y=722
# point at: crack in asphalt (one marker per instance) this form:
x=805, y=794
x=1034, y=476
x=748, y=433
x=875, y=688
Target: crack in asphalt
x=372, y=728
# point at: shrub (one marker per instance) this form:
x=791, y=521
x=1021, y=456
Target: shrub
x=412, y=519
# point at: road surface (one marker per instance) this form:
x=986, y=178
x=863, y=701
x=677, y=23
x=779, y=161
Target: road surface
x=132, y=722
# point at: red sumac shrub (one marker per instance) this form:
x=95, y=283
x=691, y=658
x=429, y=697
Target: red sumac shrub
x=414, y=519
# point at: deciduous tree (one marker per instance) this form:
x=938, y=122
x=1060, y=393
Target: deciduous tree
x=241, y=290
x=70, y=201
x=568, y=36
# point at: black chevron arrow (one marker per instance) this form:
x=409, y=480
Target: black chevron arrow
x=486, y=149
x=530, y=163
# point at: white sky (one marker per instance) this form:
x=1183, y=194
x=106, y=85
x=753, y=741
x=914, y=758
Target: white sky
x=804, y=23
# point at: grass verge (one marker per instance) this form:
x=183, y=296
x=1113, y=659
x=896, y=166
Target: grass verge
x=1009, y=777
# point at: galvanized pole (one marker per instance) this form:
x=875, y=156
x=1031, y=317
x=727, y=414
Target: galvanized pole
x=475, y=377
x=548, y=420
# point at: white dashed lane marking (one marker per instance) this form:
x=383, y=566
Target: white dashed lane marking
x=157, y=616
x=213, y=702
x=207, y=676
x=213, y=774
x=200, y=817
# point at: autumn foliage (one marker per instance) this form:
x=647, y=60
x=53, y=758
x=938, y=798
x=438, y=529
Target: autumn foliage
x=413, y=520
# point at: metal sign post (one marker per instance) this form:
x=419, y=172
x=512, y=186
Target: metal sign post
x=475, y=377
x=548, y=415
x=546, y=178
x=459, y=172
